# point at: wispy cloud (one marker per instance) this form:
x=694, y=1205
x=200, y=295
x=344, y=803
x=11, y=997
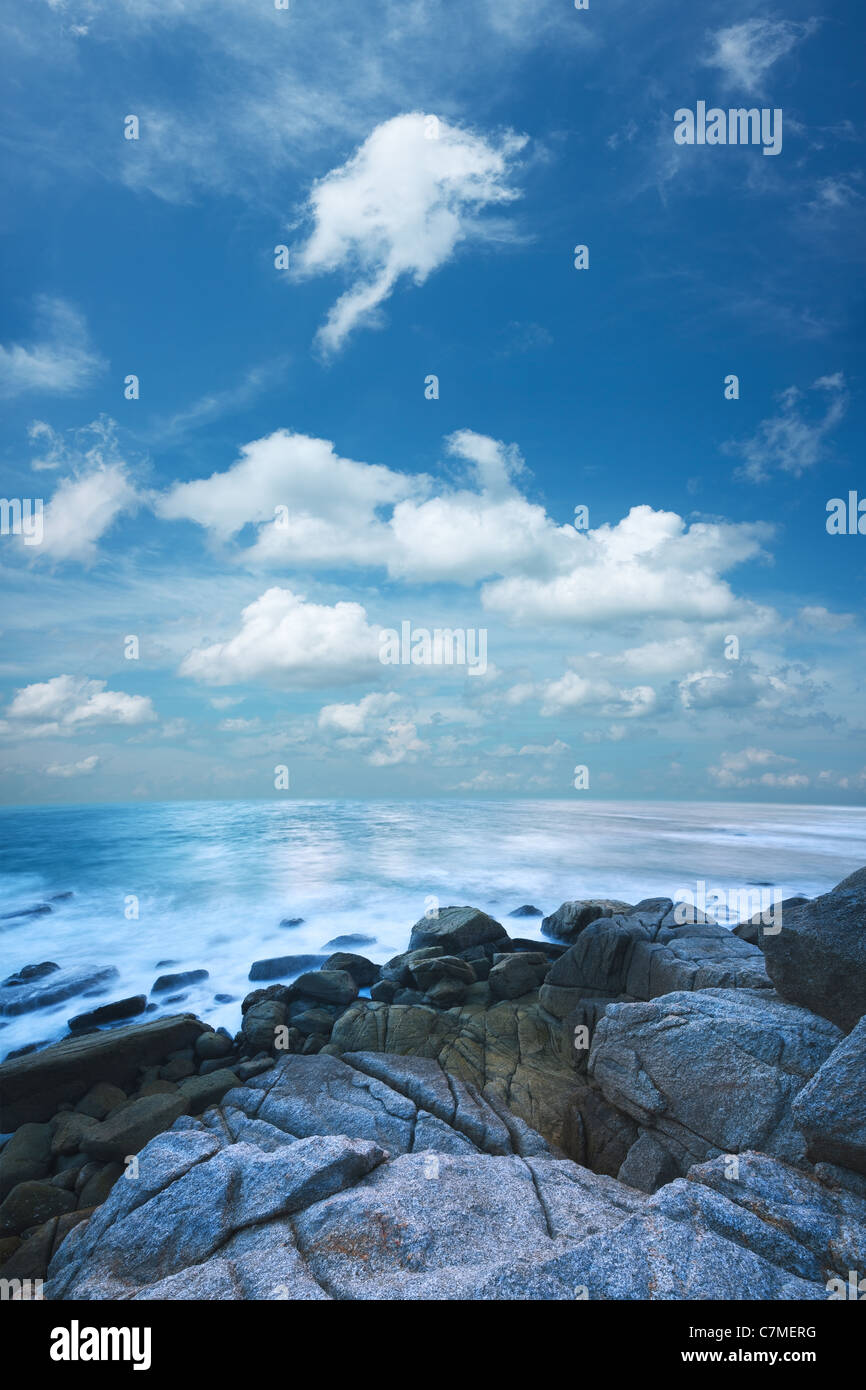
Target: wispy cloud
x=59, y=360
x=744, y=53
x=789, y=441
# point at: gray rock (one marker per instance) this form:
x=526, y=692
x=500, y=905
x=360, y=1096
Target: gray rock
x=130, y=1126
x=95, y=1191
x=818, y=959
x=569, y=920
x=109, y=1013
x=362, y=971
x=284, y=967
x=398, y=970
x=210, y=1046
x=22, y=993
x=326, y=986
x=32, y=1087
x=647, y=954
x=714, y=1071
x=164, y=983
x=518, y=974
x=831, y=1109
x=201, y=1091
x=261, y=1022
x=100, y=1100
x=354, y=938
x=27, y=1156
x=752, y=930
x=527, y=910
x=443, y=980
x=648, y=1165
x=31, y=1203
x=454, y=929
x=69, y=1131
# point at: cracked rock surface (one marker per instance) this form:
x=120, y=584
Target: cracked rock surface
x=370, y=1176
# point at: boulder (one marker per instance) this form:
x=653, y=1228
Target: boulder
x=32, y=1087
x=261, y=1022
x=164, y=983
x=201, y=1091
x=282, y=967
x=711, y=1071
x=818, y=959
x=209, y=1046
x=454, y=929
x=831, y=1108
x=109, y=1013
x=752, y=930
x=647, y=954
x=527, y=910
x=100, y=1100
x=362, y=971
x=569, y=920
x=398, y=970
x=128, y=1128
x=31, y=1203
x=26, y=1157
x=443, y=980
x=325, y=986
x=24, y=992
x=518, y=974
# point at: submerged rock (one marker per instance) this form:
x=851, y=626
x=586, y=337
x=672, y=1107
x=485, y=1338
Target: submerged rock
x=37, y=987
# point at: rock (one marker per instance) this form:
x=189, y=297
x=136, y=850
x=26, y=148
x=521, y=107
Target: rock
x=27, y=1156
x=177, y=981
x=100, y=1100
x=28, y=973
x=31, y=1203
x=385, y=991
x=308, y=1019
x=327, y=986
x=818, y=958
x=158, y=1087
x=569, y=920
x=247, y=1070
x=647, y=954
x=130, y=1126
x=281, y=967
x=177, y=1068
x=42, y=991
x=443, y=980
x=213, y=1045
x=648, y=1165
x=224, y=998
x=39, y=910
x=752, y=930
x=831, y=1109
x=201, y=1091
x=292, y=922
x=526, y=911
x=271, y=993
x=711, y=1071
x=352, y=1179
x=70, y=1131
x=362, y=971
x=261, y=1022
x=109, y=1013
x=454, y=929
x=217, y=1064
x=350, y=939
x=32, y=1087
x=398, y=970
x=516, y=975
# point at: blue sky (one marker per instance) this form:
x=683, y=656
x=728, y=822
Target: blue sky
x=430, y=169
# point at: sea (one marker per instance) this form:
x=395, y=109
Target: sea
x=207, y=884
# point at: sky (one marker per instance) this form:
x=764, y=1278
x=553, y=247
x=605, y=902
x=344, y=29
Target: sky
x=297, y=347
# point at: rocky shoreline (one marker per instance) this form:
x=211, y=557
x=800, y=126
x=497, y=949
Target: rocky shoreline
x=635, y=1107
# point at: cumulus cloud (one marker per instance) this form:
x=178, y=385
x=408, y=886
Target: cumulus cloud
x=58, y=361
x=745, y=52
x=573, y=691
x=295, y=644
x=790, y=440
x=81, y=768
x=821, y=618
x=742, y=770
x=65, y=704
x=399, y=208
x=378, y=726
x=83, y=509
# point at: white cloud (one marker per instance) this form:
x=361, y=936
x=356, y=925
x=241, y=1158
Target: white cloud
x=58, y=361
x=83, y=508
x=378, y=726
x=296, y=644
x=790, y=441
x=820, y=618
x=67, y=703
x=738, y=769
x=73, y=769
x=745, y=52
x=573, y=691
x=399, y=208
x=360, y=717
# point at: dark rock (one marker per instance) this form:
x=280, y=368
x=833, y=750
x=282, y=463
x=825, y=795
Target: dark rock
x=110, y=1013
x=61, y=897
x=26, y=1157
x=36, y=993
x=32, y=1087
x=648, y=1165
x=247, y=1070
x=385, y=991
x=177, y=1069
x=399, y=968
x=164, y=964
x=270, y=994
x=224, y=998
x=38, y=911
x=100, y=1100
x=183, y=977
x=329, y=986
x=362, y=971
x=201, y=1091
x=70, y=1131
x=310, y=1019
x=292, y=922
x=281, y=967
x=454, y=929
x=31, y=1203
x=261, y=1022
x=96, y=1189
x=752, y=930
x=569, y=920
x=526, y=911
x=443, y=980
x=354, y=938
x=818, y=958
x=131, y=1126
x=213, y=1045
x=28, y=973
x=831, y=1109
x=516, y=975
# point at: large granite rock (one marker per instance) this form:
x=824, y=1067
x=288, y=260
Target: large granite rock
x=647, y=954
x=403, y=1187
x=569, y=920
x=713, y=1071
x=819, y=957
x=32, y=1087
x=455, y=929
x=831, y=1109
x=514, y=1051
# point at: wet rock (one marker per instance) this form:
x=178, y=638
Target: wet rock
x=109, y=1013
x=443, y=980
x=19, y=995
x=362, y=971
x=292, y=922
x=183, y=977
x=527, y=910
x=70, y=1131
x=261, y=1022
x=281, y=967
x=326, y=986
x=95, y=1191
x=39, y=910
x=349, y=939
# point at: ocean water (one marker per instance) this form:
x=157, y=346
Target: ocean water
x=214, y=879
